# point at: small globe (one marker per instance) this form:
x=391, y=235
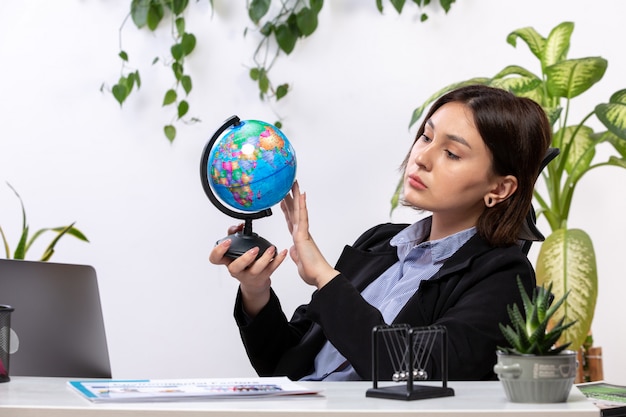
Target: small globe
x=252, y=166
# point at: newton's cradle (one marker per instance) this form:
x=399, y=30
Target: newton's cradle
x=409, y=350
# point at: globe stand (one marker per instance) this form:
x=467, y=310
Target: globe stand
x=244, y=240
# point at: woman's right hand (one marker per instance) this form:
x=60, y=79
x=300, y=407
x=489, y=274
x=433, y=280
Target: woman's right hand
x=254, y=275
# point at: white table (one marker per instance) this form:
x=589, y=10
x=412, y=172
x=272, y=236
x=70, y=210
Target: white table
x=51, y=397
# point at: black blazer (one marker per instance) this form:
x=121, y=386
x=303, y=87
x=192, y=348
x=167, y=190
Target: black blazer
x=468, y=296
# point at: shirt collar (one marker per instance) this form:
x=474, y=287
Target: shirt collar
x=414, y=237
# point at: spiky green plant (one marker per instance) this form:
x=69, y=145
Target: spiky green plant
x=528, y=334
x=25, y=241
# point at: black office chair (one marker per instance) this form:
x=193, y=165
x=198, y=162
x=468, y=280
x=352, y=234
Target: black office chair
x=530, y=233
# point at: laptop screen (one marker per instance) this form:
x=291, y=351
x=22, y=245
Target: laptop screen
x=57, y=326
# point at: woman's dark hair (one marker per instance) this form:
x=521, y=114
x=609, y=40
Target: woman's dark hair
x=518, y=134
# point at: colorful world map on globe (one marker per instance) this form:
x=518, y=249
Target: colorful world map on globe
x=252, y=166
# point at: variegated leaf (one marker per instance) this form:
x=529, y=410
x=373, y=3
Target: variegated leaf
x=536, y=43
x=613, y=116
x=575, y=76
x=567, y=259
x=580, y=149
x=557, y=44
x=516, y=85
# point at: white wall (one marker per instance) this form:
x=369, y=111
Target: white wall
x=74, y=155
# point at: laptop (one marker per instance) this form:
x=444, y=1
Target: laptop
x=57, y=328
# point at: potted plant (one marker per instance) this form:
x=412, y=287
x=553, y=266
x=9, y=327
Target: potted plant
x=566, y=258
x=535, y=368
x=25, y=242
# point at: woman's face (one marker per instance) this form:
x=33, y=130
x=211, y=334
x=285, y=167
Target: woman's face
x=449, y=169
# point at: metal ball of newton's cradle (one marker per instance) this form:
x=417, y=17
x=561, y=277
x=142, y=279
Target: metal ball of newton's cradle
x=247, y=167
x=418, y=374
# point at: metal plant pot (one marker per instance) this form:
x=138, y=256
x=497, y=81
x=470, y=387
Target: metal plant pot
x=537, y=379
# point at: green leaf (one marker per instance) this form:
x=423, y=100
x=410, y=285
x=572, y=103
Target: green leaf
x=155, y=14
x=557, y=44
x=515, y=70
x=255, y=73
x=567, y=260
x=185, y=81
x=517, y=85
x=74, y=232
x=395, y=198
x=178, y=70
x=316, y=5
x=573, y=77
x=292, y=24
x=177, y=51
x=617, y=162
x=282, y=91
x=553, y=114
x=61, y=231
x=119, y=92
x=170, y=132
x=618, y=143
x=7, y=250
x=398, y=5
x=183, y=108
x=123, y=55
x=618, y=97
x=285, y=38
x=307, y=21
x=264, y=82
x=446, y=4
x=536, y=43
x=267, y=29
x=180, y=25
x=24, y=222
x=20, y=250
x=379, y=5
x=137, y=79
x=188, y=43
x=139, y=12
x=613, y=114
x=258, y=9
x=49, y=251
x=581, y=149
x=130, y=82
x=178, y=6
x=170, y=97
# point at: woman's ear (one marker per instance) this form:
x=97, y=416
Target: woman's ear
x=504, y=188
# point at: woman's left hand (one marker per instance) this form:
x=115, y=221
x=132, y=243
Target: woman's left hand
x=312, y=266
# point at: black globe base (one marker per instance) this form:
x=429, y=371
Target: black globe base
x=242, y=242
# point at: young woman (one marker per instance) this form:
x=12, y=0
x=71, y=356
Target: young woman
x=473, y=165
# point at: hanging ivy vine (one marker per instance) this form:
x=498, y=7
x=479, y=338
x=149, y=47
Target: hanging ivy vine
x=280, y=27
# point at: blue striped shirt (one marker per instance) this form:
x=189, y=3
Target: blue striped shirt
x=418, y=259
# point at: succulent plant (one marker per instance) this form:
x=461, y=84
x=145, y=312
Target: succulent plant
x=530, y=333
